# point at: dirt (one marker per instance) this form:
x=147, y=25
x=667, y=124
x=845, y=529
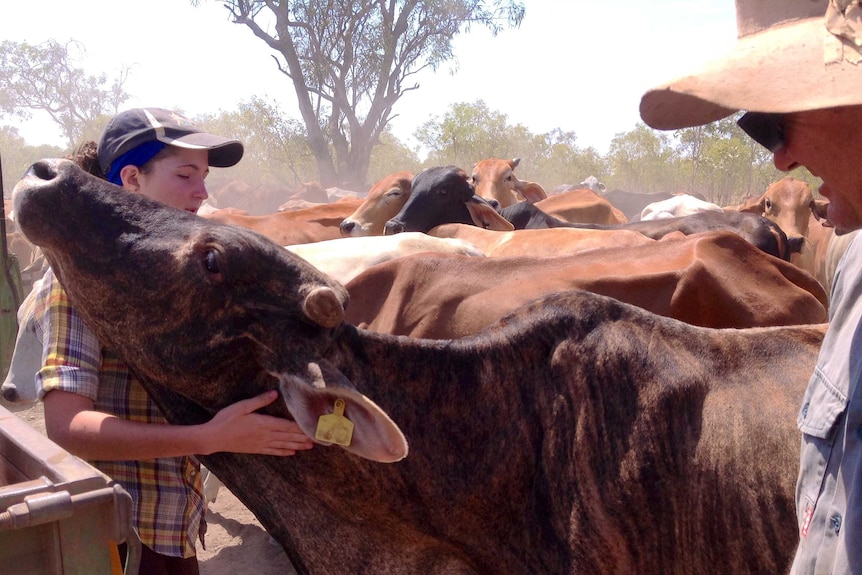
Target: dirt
x=236, y=542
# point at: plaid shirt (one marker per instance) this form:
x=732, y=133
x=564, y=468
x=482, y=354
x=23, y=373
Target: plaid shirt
x=169, y=505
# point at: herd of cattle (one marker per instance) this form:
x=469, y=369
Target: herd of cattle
x=587, y=385
x=603, y=237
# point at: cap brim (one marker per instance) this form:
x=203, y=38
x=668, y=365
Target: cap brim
x=223, y=152
x=783, y=69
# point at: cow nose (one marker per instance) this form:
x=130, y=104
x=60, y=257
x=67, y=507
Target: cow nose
x=346, y=227
x=393, y=227
x=794, y=245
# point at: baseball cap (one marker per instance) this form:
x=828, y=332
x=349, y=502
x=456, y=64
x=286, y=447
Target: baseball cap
x=132, y=128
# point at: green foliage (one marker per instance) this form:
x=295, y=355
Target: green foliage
x=276, y=151
x=389, y=156
x=468, y=133
x=43, y=77
x=17, y=157
x=561, y=162
x=643, y=160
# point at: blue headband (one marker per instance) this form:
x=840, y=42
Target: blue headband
x=135, y=157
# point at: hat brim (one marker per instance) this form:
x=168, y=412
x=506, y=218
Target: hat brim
x=223, y=152
x=783, y=69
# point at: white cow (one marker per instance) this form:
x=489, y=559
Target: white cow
x=345, y=258
x=594, y=184
x=20, y=383
x=677, y=206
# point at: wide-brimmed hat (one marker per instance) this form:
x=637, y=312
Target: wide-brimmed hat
x=790, y=56
x=132, y=128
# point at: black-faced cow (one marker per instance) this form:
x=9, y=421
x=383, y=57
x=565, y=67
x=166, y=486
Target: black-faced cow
x=444, y=194
x=579, y=435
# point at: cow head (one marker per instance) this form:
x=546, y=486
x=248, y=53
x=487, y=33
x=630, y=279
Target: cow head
x=227, y=313
x=495, y=179
x=444, y=195
x=594, y=184
x=385, y=199
x=789, y=203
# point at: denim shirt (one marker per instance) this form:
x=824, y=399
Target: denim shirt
x=829, y=492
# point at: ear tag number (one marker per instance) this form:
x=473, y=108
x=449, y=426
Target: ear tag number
x=334, y=427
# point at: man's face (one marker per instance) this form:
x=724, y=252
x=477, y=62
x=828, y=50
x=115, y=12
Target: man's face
x=829, y=143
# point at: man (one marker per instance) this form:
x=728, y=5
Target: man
x=796, y=70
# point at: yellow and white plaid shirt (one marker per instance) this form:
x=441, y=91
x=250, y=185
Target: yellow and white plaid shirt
x=167, y=492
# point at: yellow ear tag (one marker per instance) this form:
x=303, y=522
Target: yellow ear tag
x=334, y=427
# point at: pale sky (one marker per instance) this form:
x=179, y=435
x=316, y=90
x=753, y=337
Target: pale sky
x=578, y=65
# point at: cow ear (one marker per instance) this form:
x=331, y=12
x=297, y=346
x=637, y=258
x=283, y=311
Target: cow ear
x=323, y=306
x=374, y=436
x=754, y=206
x=486, y=217
x=531, y=191
x=818, y=209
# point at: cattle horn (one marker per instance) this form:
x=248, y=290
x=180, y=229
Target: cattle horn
x=323, y=307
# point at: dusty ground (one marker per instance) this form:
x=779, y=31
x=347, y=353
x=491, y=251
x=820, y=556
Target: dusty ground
x=236, y=543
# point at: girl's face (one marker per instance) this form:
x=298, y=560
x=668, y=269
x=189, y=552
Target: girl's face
x=175, y=178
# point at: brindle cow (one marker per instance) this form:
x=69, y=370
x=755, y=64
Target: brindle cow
x=579, y=435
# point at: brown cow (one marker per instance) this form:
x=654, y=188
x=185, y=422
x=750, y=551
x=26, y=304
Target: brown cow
x=713, y=279
x=789, y=203
x=385, y=199
x=581, y=205
x=257, y=199
x=580, y=435
x=302, y=226
x=539, y=243
x=495, y=179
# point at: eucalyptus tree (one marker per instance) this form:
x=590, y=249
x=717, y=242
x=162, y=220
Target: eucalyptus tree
x=351, y=61
x=44, y=77
x=643, y=160
x=469, y=132
x=276, y=149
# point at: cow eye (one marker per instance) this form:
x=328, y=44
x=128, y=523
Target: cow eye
x=214, y=264
x=768, y=204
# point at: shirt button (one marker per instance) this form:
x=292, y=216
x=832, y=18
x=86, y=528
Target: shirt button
x=836, y=523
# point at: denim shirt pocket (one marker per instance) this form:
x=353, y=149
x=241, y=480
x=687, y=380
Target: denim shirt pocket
x=822, y=406
x=822, y=409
